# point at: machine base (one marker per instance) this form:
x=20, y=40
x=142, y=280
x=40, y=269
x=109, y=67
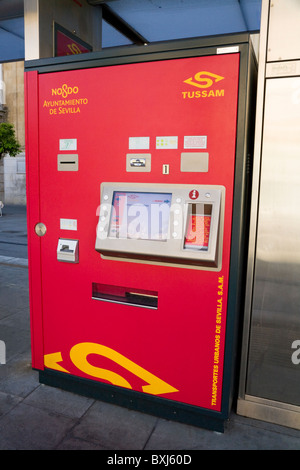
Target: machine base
x=167, y=409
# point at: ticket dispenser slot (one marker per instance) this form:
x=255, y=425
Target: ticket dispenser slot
x=198, y=223
x=125, y=295
x=162, y=223
x=67, y=250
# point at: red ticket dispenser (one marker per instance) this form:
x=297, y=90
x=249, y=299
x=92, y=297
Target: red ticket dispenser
x=137, y=189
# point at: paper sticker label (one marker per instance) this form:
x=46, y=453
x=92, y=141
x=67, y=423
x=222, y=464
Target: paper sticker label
x=195, y=142
x=166, y=142
x=68, y=224
x=227, y=50
x=139, y=143
x=67, y=144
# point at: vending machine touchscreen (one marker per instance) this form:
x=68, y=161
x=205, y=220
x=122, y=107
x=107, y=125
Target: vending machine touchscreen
x=140, y=215
x=162, y=223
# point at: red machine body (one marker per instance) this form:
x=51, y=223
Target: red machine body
x=91, y=119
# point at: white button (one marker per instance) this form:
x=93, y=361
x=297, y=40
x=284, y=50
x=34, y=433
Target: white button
x=178, y=199
x=207, y=195
x=104, y=208
x=177, y=211
x=174, y=234
x=175, y=222
x=105, y=197
x=103, y=217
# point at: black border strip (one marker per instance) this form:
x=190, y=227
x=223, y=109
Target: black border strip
x=121, y=26
x=142, y=402
x=133, y=54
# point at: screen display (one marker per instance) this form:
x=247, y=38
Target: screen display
x=198, y=227
x=140, y=215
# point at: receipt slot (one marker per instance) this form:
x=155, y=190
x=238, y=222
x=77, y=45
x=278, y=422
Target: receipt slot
x=138, y=164
x=67, y=250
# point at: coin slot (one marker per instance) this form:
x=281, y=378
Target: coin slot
x=67, y=162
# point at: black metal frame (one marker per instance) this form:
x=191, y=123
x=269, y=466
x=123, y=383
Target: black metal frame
x=120, y=25
x=133, y=54
x=169, y=409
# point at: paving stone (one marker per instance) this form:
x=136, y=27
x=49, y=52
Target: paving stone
x=59, y=401
x=114, y=427
x=8, y=402
x=239, y=435
x=71, y=443
x=30, y=428
x=17, y=377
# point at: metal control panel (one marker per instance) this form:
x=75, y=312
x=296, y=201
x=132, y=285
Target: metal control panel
x=167, y=223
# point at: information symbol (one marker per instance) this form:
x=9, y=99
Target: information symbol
x=194, y=194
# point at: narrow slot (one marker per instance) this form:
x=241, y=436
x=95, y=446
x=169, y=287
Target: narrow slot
x=125, y=295
x=67, y=162
x=198, y=227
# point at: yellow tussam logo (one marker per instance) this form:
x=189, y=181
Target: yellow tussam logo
x=203, y=80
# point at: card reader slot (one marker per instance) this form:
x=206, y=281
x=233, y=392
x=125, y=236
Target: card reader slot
x=125, y=295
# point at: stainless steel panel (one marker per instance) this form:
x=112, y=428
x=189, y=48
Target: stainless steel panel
x=270, y=411
x=275, y=322
x=290, y=68
x=284, y=31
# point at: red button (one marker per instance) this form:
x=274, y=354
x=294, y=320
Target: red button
x=194, y=194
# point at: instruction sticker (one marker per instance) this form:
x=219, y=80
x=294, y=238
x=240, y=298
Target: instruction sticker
x=68, y=224
x=195, y=142
x=67, y=144
x=167, y=142
x=139, y=143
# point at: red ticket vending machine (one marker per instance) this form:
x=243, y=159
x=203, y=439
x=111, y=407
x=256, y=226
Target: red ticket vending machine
x=137, y=177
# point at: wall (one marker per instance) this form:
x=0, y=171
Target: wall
x=13, y=77
x=15, y=180
x=12, y=169
x=76, y=16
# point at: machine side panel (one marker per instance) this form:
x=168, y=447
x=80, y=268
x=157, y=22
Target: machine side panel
x=33, y=216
